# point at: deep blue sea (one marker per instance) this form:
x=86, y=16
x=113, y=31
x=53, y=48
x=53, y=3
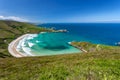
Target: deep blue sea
x=102, y=33
x=48, y=43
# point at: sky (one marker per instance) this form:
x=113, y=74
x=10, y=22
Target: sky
x=60, y=11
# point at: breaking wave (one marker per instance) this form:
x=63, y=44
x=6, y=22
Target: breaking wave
x=46, y=44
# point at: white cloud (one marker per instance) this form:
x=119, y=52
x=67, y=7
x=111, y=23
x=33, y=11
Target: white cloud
x=13, y=18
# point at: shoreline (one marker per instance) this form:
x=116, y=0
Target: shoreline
x=12, y=47
x=80, y=48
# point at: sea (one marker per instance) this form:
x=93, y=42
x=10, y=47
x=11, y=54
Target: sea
x=49, y=43
x=98, y=33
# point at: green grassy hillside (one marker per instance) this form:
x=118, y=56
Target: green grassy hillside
x=99, y=65
x=9, y=30
x=101, y=62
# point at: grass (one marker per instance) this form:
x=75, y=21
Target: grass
x=90, y=47
x=10, y=30
x=92, y=66
x=98, y=65
x=101, y=62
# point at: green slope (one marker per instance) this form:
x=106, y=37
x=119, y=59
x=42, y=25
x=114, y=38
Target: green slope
x=88, y=66
x=102, y=62
x=9, y=30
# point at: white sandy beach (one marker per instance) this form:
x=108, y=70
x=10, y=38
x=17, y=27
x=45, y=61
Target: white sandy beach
x=12, y=47
x=13, y=50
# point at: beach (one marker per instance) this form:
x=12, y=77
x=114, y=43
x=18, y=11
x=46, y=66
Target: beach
x=12, y=47
x=40, y=45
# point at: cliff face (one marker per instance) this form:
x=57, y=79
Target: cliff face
x=9, y=30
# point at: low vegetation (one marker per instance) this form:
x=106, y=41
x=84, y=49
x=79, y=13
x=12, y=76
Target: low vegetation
x=90, y=47
x=101, y=62
x=103, y=65
x=10, y=30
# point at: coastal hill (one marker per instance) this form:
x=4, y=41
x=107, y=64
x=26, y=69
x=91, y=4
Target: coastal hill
x=101, y=62
x=10, y=30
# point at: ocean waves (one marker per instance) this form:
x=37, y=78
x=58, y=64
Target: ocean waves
x=24, y=45
x=45, y=44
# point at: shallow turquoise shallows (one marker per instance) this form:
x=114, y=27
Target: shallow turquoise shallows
x=46, y=44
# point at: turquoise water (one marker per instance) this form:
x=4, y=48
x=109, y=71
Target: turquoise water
x=99, y=33
x=57, y=43
x=46, y=44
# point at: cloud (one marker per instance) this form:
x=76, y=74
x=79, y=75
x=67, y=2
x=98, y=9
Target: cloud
x=13, y=18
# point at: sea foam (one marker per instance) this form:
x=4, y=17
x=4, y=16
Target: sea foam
x=30, y=44
x=48, y=44
x=25, y=46
x=31, y=36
